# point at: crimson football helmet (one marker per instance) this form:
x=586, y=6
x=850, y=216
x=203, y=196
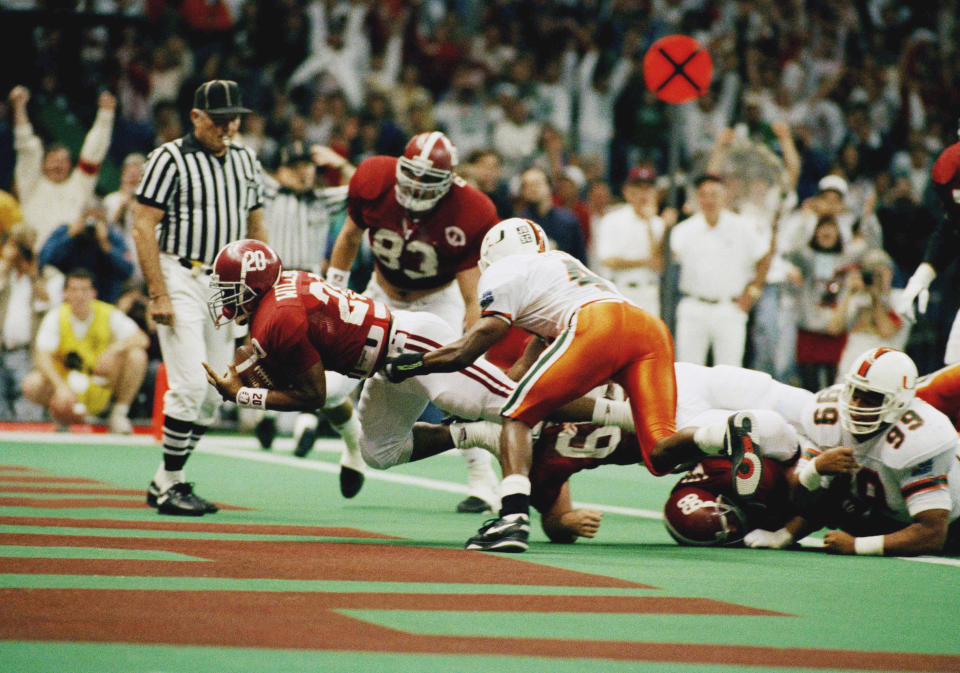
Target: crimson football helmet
x=890, y=376
x=694, y=516
x=513, y=236
x=425, y=171
x=243, y=272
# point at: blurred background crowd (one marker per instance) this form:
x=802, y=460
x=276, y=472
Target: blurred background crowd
x=817, y=137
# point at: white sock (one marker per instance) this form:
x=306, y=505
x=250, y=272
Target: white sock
x=709, y=438
x=165, y=479
x=304, y=422
x=350, y=433
x=613, y=412
x=515, y=484
x=120, y=410
x=480, y=434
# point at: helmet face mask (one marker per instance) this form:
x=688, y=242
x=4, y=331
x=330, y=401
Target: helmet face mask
x=513, y=236
x=243, y=272
x=425, y=171
x=877, y=390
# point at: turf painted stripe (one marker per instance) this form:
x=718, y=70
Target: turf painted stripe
x=24, y=551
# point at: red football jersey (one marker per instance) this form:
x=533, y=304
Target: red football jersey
x=563, y=450
x=303, y=320
x=417, y=251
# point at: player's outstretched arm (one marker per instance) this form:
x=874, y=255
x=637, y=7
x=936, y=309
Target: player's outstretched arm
x=452, y=357
x=926, y=535
x=344, y=252
x=563, y=524
x=308, y=394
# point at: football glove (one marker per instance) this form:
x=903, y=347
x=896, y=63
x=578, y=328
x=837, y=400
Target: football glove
x=916, y=289
x=402, y=367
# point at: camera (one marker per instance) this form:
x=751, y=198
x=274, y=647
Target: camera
x=90, y=226
x=867, y=275
x=73, y=361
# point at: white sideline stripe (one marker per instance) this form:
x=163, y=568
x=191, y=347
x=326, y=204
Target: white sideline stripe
x=240, y=447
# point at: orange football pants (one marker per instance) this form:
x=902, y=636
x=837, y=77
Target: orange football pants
x=606, y=340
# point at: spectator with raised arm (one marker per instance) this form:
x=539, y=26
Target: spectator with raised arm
x=51, y=189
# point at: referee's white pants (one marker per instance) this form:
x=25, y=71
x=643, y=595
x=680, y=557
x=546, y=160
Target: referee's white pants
x=190, y=341
x=701, y=325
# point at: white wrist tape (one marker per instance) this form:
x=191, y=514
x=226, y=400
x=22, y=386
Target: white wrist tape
x=338, y=277
x=252, y=398
x=808, y=475
x=868, y=546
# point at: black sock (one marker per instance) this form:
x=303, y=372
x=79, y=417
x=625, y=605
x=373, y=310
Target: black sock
x=176, y=443
x=517, y=503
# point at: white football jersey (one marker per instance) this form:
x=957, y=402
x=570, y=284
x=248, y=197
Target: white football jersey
x=541, y=292
x=904, y=468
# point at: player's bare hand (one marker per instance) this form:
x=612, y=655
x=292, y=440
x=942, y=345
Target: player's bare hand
x=838, y=542
x=107, y=101
x=583, y=522
x=839, y=460
x=325, y=156
x=227, y=385
x=19, y=95
x=161, y=309
x=780, y=129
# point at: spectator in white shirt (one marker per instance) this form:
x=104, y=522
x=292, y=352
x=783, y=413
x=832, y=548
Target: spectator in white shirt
x=51, y=190
x=629, y=241
x=717, y=252
x=23, y=300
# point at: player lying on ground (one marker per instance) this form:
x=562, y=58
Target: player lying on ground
x=879, y=465
x=596, y=335
x=303, y=328
x=705, y=396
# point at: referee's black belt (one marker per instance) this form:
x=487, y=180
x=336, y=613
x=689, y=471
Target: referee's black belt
x=194, y=266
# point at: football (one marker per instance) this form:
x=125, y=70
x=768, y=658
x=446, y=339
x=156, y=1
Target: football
x=251, y=370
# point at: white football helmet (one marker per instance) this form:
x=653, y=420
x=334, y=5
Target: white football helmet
x=888, y=373
x=425, y=171
x=513, y=236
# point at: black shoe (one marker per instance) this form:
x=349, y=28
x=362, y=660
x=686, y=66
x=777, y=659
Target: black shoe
x=180, y=500
x=153, y=492
x=473, y=505
x=305, y=445
x=746, y=467
x=507, y=533
x=266, y=431
x=351, y=481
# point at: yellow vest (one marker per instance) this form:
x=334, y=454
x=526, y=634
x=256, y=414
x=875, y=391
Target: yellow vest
x=89, y=348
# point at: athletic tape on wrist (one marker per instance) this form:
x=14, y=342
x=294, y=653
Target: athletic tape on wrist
x=808, y=476
x=252, y=398
x=868, y=546
x=338, y=277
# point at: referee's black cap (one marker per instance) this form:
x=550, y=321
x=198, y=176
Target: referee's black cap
x=219, y=96
x=294, y=153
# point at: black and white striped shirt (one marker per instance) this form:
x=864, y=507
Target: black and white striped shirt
x=298, y=224
x=206, y=198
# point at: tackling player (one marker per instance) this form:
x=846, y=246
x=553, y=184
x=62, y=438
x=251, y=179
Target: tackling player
x=878, y=463
x=596, y=334
x=302, y=327
x=424, y=225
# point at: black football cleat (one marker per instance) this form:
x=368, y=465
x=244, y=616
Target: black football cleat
x=153, y=492
x=746, y=466
x=508, y=533
x=305, y=443
x=266, y=432
x=180, y=500
x=351, y=481
x=473, y=505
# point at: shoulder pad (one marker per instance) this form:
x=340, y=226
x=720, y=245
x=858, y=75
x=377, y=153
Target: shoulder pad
x=935, y=436
x=821, y=420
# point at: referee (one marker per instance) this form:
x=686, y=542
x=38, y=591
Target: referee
x=197, y=194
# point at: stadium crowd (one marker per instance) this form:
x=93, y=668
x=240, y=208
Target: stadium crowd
x=813, y=145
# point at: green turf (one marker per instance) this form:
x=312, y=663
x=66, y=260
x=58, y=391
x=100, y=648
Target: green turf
x=833, y=602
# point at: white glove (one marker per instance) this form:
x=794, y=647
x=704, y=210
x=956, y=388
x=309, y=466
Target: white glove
x=916, y=289
x=771, y=539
